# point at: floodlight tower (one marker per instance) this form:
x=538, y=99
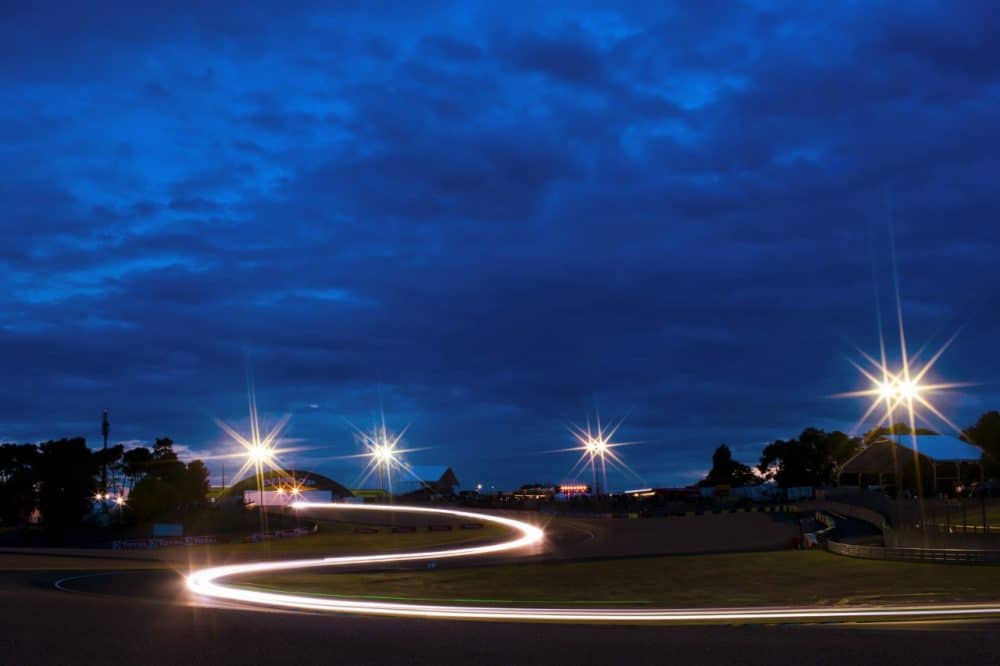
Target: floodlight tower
x=105, y=430
x=597, y=484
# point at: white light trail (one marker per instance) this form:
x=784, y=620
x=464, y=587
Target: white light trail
x=208, y=583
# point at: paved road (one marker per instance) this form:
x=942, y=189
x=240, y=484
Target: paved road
x=144, y=617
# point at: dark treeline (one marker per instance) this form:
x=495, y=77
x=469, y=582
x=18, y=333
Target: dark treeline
x=56, y=482
x=815, y=456
x=811, y=459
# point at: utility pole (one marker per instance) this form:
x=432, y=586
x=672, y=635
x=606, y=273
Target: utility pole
x=105, y=430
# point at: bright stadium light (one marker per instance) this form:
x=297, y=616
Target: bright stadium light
x=903, y=389
x=384, y=453
x=596, y=448
x=259, y=452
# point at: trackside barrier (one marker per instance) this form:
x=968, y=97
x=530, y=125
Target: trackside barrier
x=279, y=534
x=770, y=508
x=411, y=528
x=163, y=542
x=955, y=555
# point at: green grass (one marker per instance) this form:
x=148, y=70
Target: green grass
x=334, y=538
x=746, y=579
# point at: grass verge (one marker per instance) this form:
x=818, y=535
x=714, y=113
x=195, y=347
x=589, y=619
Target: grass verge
x=745, y=579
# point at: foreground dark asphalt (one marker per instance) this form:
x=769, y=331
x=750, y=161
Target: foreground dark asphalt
x=146, y=618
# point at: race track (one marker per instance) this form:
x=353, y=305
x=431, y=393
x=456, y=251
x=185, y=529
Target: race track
x=209, y=583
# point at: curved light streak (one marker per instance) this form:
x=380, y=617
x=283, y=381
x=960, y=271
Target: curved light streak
x=208, y=583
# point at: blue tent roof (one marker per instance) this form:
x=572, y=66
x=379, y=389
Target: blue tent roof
x=943, y=448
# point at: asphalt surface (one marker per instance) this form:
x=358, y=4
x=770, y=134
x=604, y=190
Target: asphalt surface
x=144, y=616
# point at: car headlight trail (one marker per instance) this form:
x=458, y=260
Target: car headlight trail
x=210, y=583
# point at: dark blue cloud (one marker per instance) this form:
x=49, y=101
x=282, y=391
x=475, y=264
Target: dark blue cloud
x=490, y=221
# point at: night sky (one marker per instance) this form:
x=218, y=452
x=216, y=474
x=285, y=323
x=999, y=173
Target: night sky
x=490, y=219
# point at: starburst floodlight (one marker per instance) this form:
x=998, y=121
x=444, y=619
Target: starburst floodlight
x=596, y=447
x=260, y=452
x=384, y=453
x=886, y=390
x=903, y=388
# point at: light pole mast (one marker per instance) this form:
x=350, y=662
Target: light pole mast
x=105, y=430
x=597, y=485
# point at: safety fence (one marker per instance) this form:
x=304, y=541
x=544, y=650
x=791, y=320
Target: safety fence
x=209, y=540
x=164, y=542
x=955, y=555
x=760, y=508
x=409, y=529
x=280, y=534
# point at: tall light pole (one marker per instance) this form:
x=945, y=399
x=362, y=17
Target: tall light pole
x=595, y=445
x=597, y=448
x=105, y=430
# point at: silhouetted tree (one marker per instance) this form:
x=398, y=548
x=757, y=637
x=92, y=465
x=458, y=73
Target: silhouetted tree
x=67, y=477
x=18, y=478
x=728, y=472
x=986, y=435
x=166, y=486
x=135, y=464
x=195, y=483
x=165, y=464
x=111, y=457
x=152, y=497
x=811, y=460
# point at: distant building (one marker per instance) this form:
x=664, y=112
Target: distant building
x=433, y=480
x=945, y=463
x=282, y=497
x=288, y=481
x=535, y=491
x=667, y=494
x=565, y=491
x=371, y=494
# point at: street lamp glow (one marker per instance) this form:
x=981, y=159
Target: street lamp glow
x=887, y=390
x=597, y=446
x=908, y=389
x=384, y=454
x=119, y=500
x=905, y=389
x=261, y=454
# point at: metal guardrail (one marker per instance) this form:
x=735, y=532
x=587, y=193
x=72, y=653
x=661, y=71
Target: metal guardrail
x=915, y=554
x=962, y=528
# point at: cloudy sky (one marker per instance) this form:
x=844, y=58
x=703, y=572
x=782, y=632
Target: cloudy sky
x=490, y=219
